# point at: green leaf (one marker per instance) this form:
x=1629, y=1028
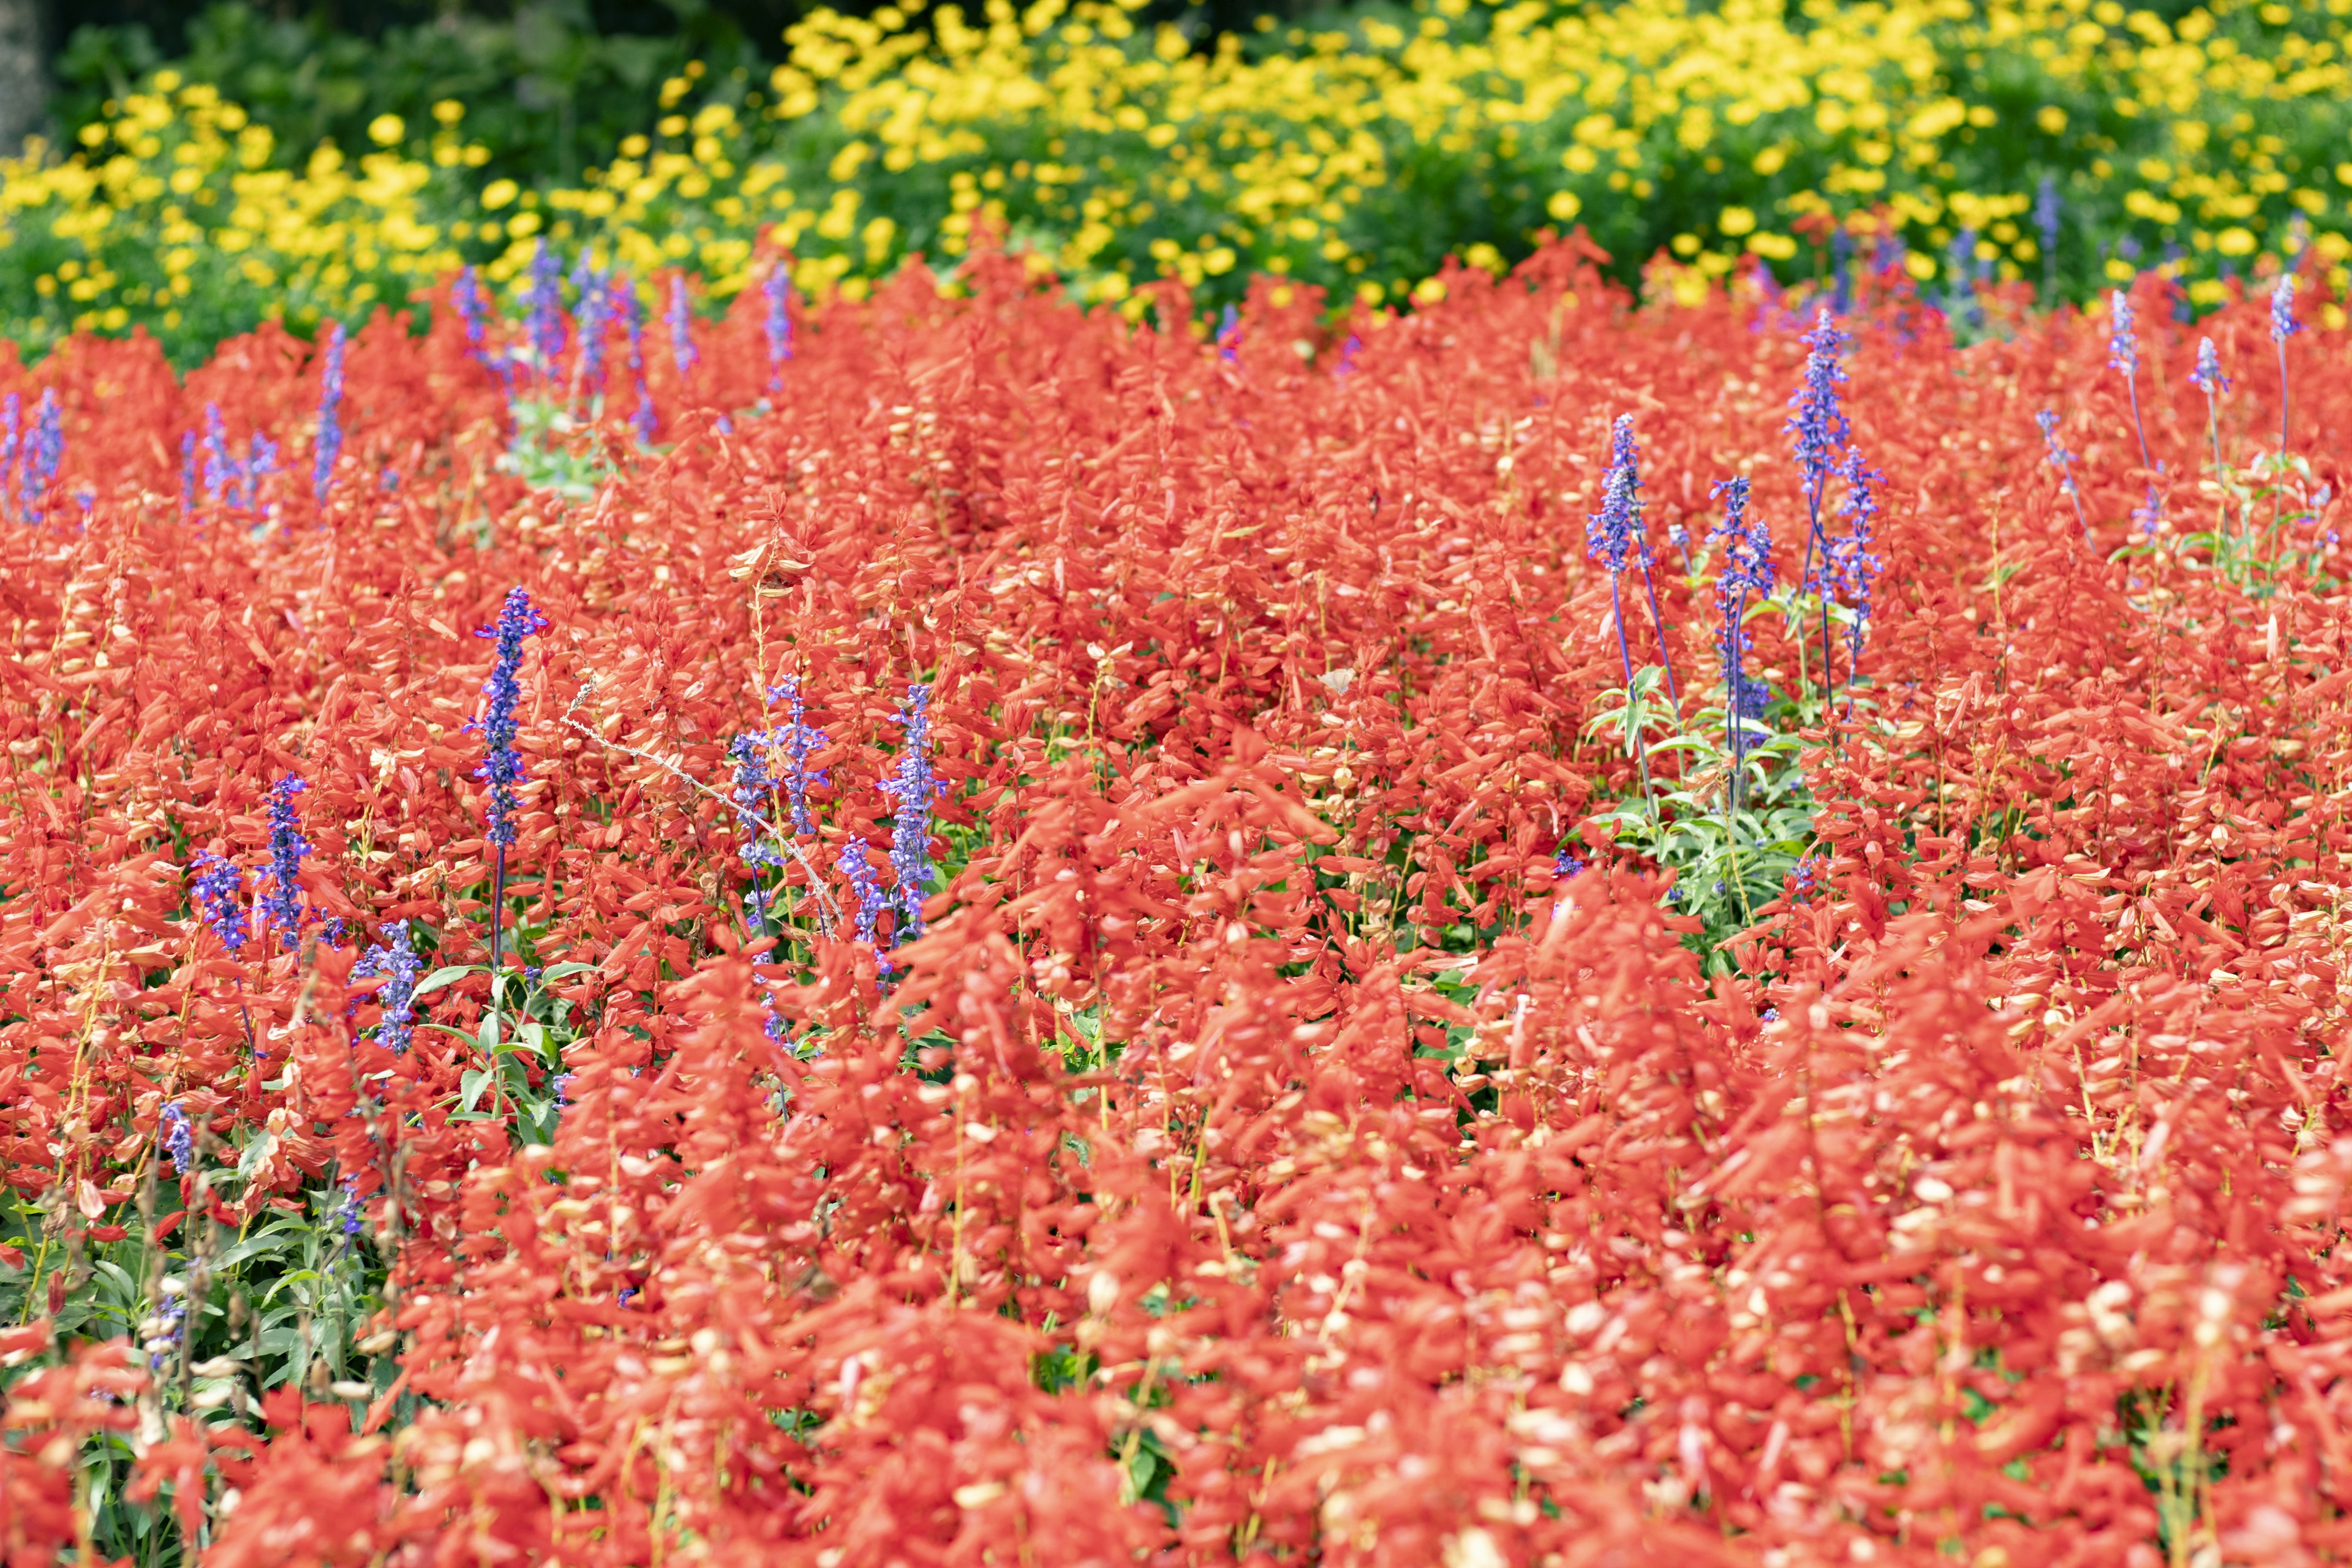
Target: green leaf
x=445, y=975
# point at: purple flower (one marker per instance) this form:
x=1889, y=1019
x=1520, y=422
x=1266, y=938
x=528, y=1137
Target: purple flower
x=633, y=322
x=2207, y=377
x=912, y=788
x=44, y=448
x=681, y=327
x=331, y=426
x=595, y=310
x=778, y=290
x=229, y=478
x=1747, y=576
x=866, y=882
x=220, y=887
x=283, y=903
x=1229, y=336
x=501, y=765
x=1853, y=568
x=1817, y=426
x=473, y=310
x=1613, y=534
x=1566, y=864
x=544, y=305
x=179, y=1138
x=2123, y=343
x=2283, y=323
x=2062, y=460
x=2046, y=212
x=396, y=960
x=800, y=743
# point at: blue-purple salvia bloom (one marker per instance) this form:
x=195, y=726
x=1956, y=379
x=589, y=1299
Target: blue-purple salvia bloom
x=866, y=882
x=543, y=318
x=501, y=765
x=1817, y=426
x=1229, y=336
x=2282, y=326
x=179, y=1138
x=395, y=958
x=1617, y=534
x=752, y=784
x=2207, y=377
x=799, y=744
x=2063, y=461
x=283, y=902
x=912, y=789
x=473, y=310
x=778, y=290
x=12, y=414
x=228, y=478
x=633, y=322
x=1746, y=577
x=331, y=422
x=2123, y=354
x=1611, y=533
x=595, y=310
x=681, y=328
x=2123, y=341
x=220, y=887
x=45, y=449
x=2046, y=212
x=2283, y=323
x=1853, y=568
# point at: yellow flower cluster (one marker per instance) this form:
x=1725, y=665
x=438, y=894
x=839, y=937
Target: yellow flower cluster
x=1976, y=131
x=176, y=207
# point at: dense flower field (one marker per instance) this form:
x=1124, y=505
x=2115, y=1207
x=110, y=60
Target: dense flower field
x=945, y=928
x=2069, y=143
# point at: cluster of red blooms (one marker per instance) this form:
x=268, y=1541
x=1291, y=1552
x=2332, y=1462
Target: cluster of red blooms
x=1264, y=1154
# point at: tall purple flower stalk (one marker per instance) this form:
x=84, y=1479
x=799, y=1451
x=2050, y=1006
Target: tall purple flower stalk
x=1229, y=336
x=330, y=444
x=1747, y=576
x=595, y=310
x=501, y=765
x=2046, y=214
x=799, y=742
x=912, y=789
x=544, y=317
x=2282, y=326
x=283, y=903
x=1817, y=426
x=179, y=1138
x=681, y=328
x=1615, y=536
x=220, y=887
x=2208, y=379
x=1853, y=568
x=778, y=290
x=2063, y=461
x=1817, y=433
x=395, y=958
x=2123, y=354
x=45, y=449
x=633, y=323
x=866, y=882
